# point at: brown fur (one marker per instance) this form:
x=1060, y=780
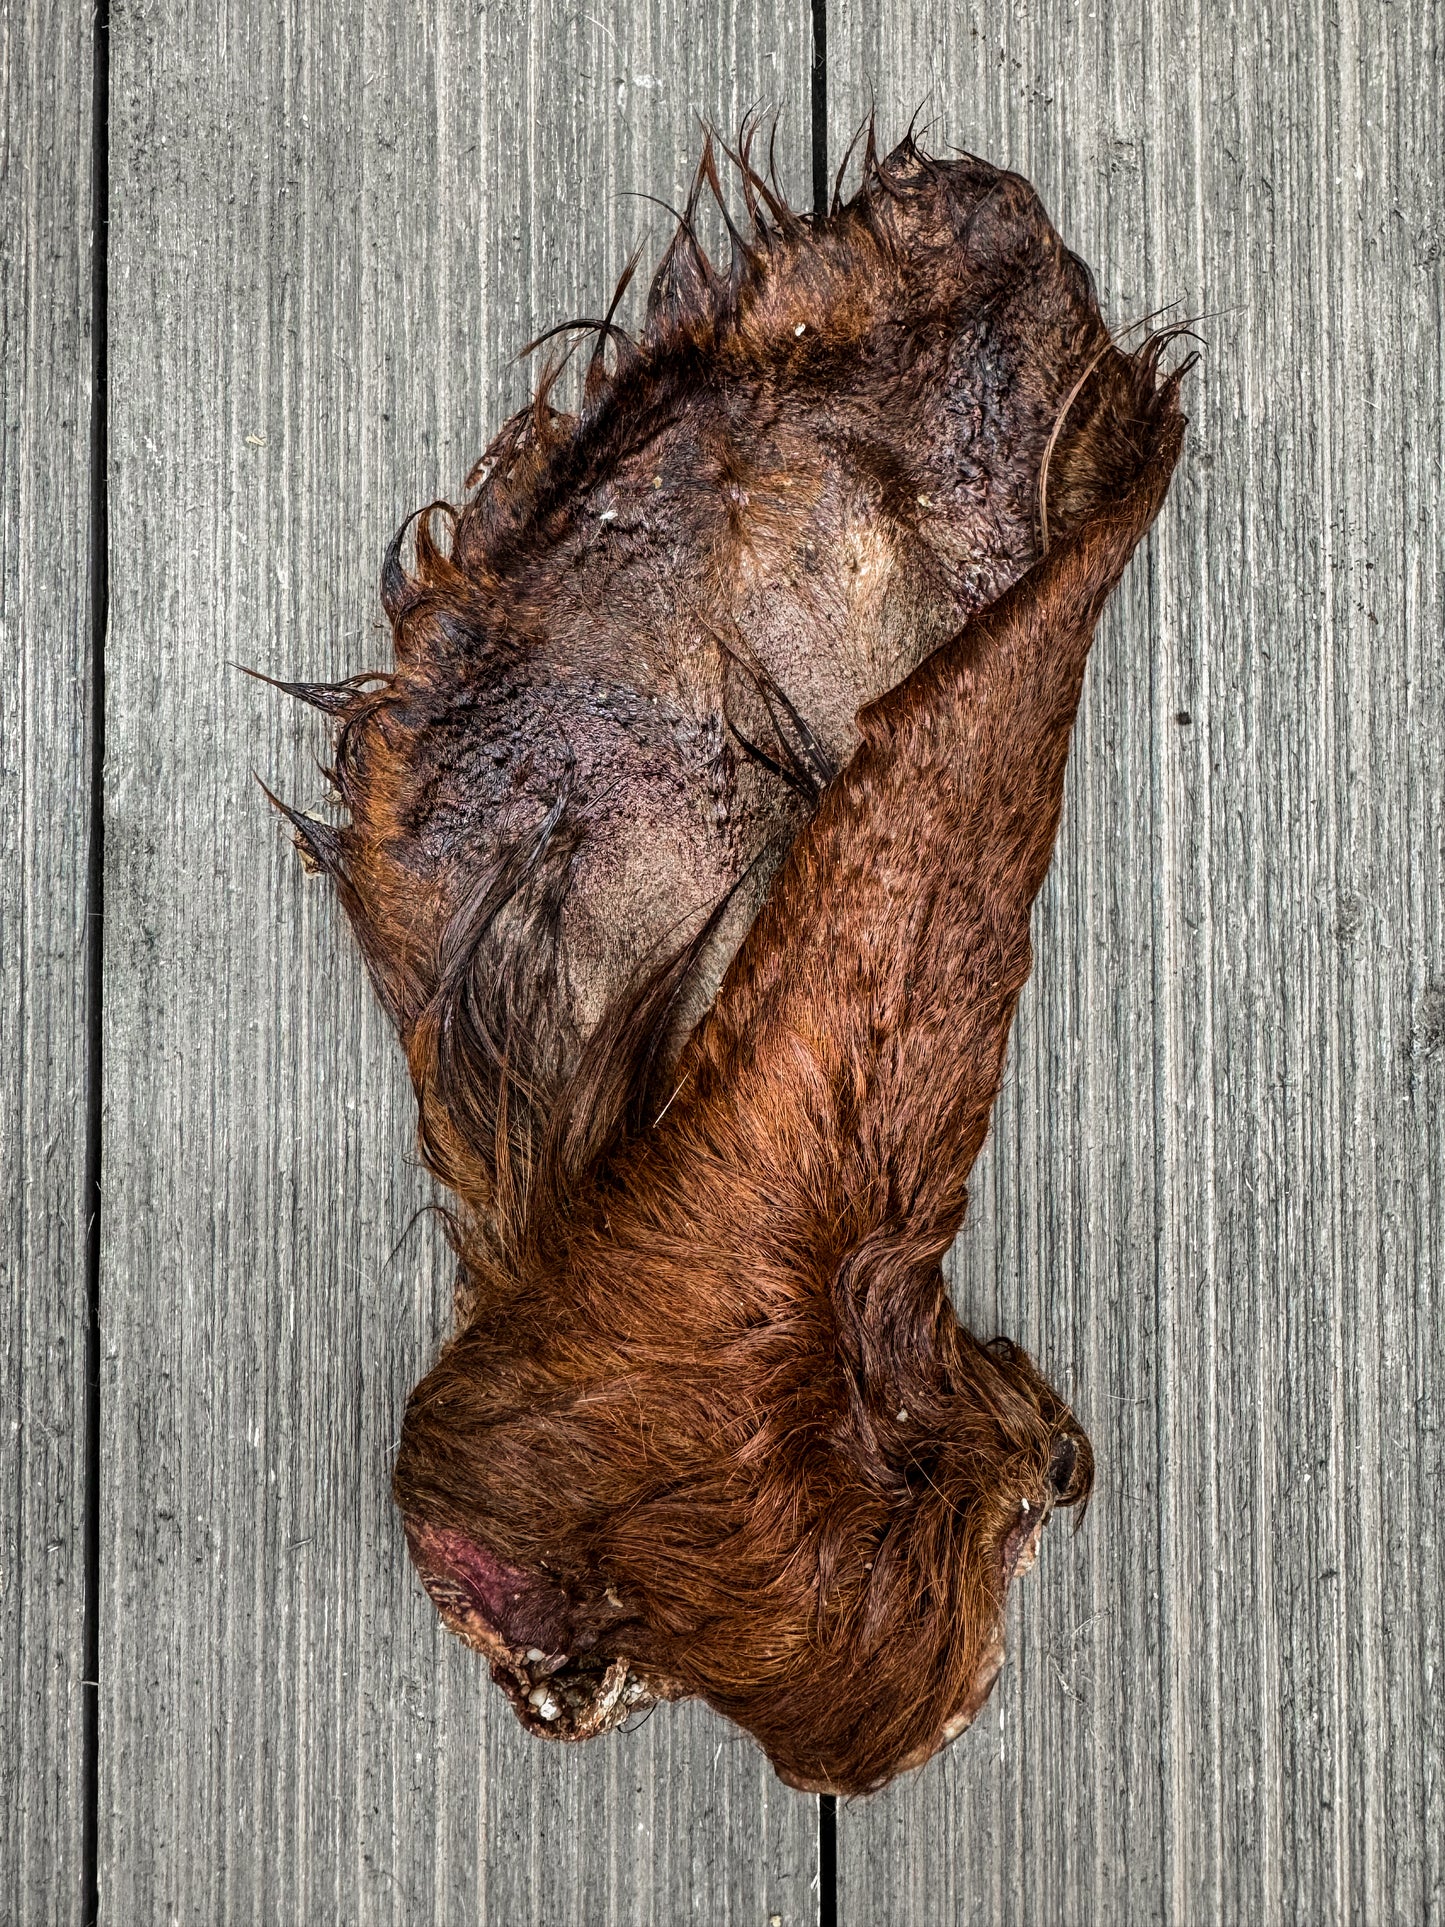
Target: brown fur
x=692, y=845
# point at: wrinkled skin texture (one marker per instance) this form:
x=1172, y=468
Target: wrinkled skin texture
x=692, y=844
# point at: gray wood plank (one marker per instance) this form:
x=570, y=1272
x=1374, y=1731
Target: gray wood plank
x=334, y=226
x=45, y=400
x=1212, y=1203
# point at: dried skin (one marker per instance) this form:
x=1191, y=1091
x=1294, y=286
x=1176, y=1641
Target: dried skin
x=692, y=844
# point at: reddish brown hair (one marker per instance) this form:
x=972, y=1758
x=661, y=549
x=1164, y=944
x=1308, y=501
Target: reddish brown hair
x=695, y=869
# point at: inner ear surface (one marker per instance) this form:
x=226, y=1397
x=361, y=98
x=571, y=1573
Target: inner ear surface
x=469, y=1584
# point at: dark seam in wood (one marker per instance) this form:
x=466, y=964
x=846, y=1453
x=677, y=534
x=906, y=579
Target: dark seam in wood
x=819, y=77
x=827, y=1860
x=95, y=953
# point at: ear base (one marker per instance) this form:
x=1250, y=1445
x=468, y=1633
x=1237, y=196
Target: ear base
x=486, y=1601
x=527, y=1629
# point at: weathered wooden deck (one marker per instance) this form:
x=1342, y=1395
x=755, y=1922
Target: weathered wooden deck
x=1212, y=1203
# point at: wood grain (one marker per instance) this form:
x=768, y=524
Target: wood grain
x=1212, y=1202
x=45, y=646
x=334, y=226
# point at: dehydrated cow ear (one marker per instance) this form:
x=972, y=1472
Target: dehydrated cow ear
x=692, y=848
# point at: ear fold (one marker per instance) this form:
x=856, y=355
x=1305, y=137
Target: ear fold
x=547, y=1652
